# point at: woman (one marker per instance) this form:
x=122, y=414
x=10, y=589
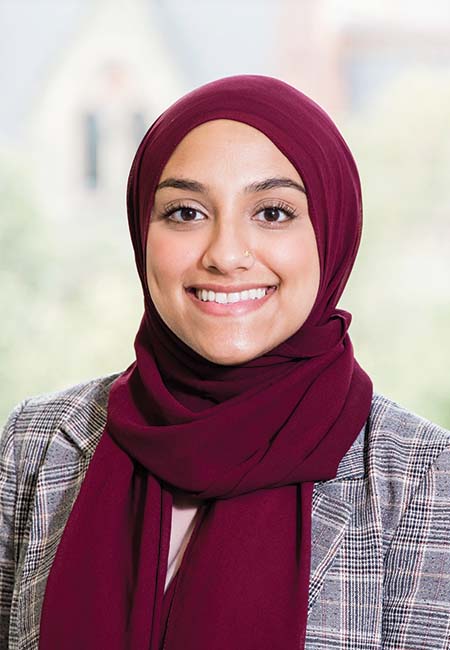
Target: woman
x=239, y=486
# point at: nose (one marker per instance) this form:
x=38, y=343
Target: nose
x=228, y=248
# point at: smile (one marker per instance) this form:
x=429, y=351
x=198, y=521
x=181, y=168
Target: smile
x=231, y=303
x=236, y=296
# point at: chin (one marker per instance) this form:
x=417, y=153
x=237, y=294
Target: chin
x=230, y=357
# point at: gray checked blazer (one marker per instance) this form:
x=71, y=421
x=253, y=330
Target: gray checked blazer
x=380, y=573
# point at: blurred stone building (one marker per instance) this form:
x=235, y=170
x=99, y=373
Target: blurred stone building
x=106, y=68
x=106, y=86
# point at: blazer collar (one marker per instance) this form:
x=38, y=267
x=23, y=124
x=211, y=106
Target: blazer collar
x=352, y=464
x=84, y=425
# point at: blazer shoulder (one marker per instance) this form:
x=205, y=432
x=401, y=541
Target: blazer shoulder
x=392, y=424
x=64, y=401
x=34, y=421
x=403, y=447
x=404, y=454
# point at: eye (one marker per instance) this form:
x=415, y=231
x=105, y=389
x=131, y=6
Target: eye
x=182, y=214
x=275, y=214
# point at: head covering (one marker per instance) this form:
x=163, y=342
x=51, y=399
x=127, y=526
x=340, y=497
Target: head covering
x=247, y=440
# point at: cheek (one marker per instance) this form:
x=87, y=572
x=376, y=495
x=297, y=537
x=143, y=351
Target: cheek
x=298, y=264
x=168, y=259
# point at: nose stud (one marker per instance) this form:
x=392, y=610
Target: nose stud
x=247, y=253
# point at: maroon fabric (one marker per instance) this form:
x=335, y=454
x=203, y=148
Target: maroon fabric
x=247, y=440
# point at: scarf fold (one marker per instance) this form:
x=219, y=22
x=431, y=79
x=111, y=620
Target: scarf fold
x=248, y=441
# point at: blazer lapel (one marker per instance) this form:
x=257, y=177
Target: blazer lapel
x=331, y=515
x=58, y=482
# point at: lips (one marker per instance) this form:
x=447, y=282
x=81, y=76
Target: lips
x=222, y=297
x=233, y=303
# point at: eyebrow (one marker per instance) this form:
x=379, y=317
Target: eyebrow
x=257, y=186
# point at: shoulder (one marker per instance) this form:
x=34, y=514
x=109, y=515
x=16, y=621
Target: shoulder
x=63, y=403
x=79, y=409
x=407, y=462
x=400, y=439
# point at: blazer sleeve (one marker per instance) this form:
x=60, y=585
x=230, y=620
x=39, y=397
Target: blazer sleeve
x=8, y=492
x=416, y=608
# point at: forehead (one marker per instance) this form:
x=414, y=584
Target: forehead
x=225, y=143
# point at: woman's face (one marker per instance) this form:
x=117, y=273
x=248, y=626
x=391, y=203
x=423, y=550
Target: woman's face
x=225, y=190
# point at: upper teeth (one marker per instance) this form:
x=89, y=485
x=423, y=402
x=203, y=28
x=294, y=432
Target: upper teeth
x=212, y=296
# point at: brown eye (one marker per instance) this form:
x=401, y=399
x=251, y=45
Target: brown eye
x=272, y=214
x=187, y=214
x=275, y=214
x=183, y=214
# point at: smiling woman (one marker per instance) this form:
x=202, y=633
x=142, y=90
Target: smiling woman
x=230, y=236
x=239, y=485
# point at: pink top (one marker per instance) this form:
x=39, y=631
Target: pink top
x=184, y=513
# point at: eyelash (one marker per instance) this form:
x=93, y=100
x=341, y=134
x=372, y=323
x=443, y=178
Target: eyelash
x=272, y=205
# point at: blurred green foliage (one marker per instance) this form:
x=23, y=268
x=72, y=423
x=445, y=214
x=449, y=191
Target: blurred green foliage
x=71, y=299
x=399, y=291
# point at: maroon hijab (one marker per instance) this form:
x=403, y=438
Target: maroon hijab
x=246, y=440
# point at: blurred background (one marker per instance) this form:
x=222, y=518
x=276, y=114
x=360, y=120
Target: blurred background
x=81, y=81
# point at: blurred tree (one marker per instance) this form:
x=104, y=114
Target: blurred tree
x=25, y=268
x=69, y=297
x=400, y=288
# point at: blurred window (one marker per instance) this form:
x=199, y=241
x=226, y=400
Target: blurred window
x=139, y=127
x=91, y=144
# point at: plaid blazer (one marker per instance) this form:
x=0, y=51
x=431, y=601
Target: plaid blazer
x=380, y=565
